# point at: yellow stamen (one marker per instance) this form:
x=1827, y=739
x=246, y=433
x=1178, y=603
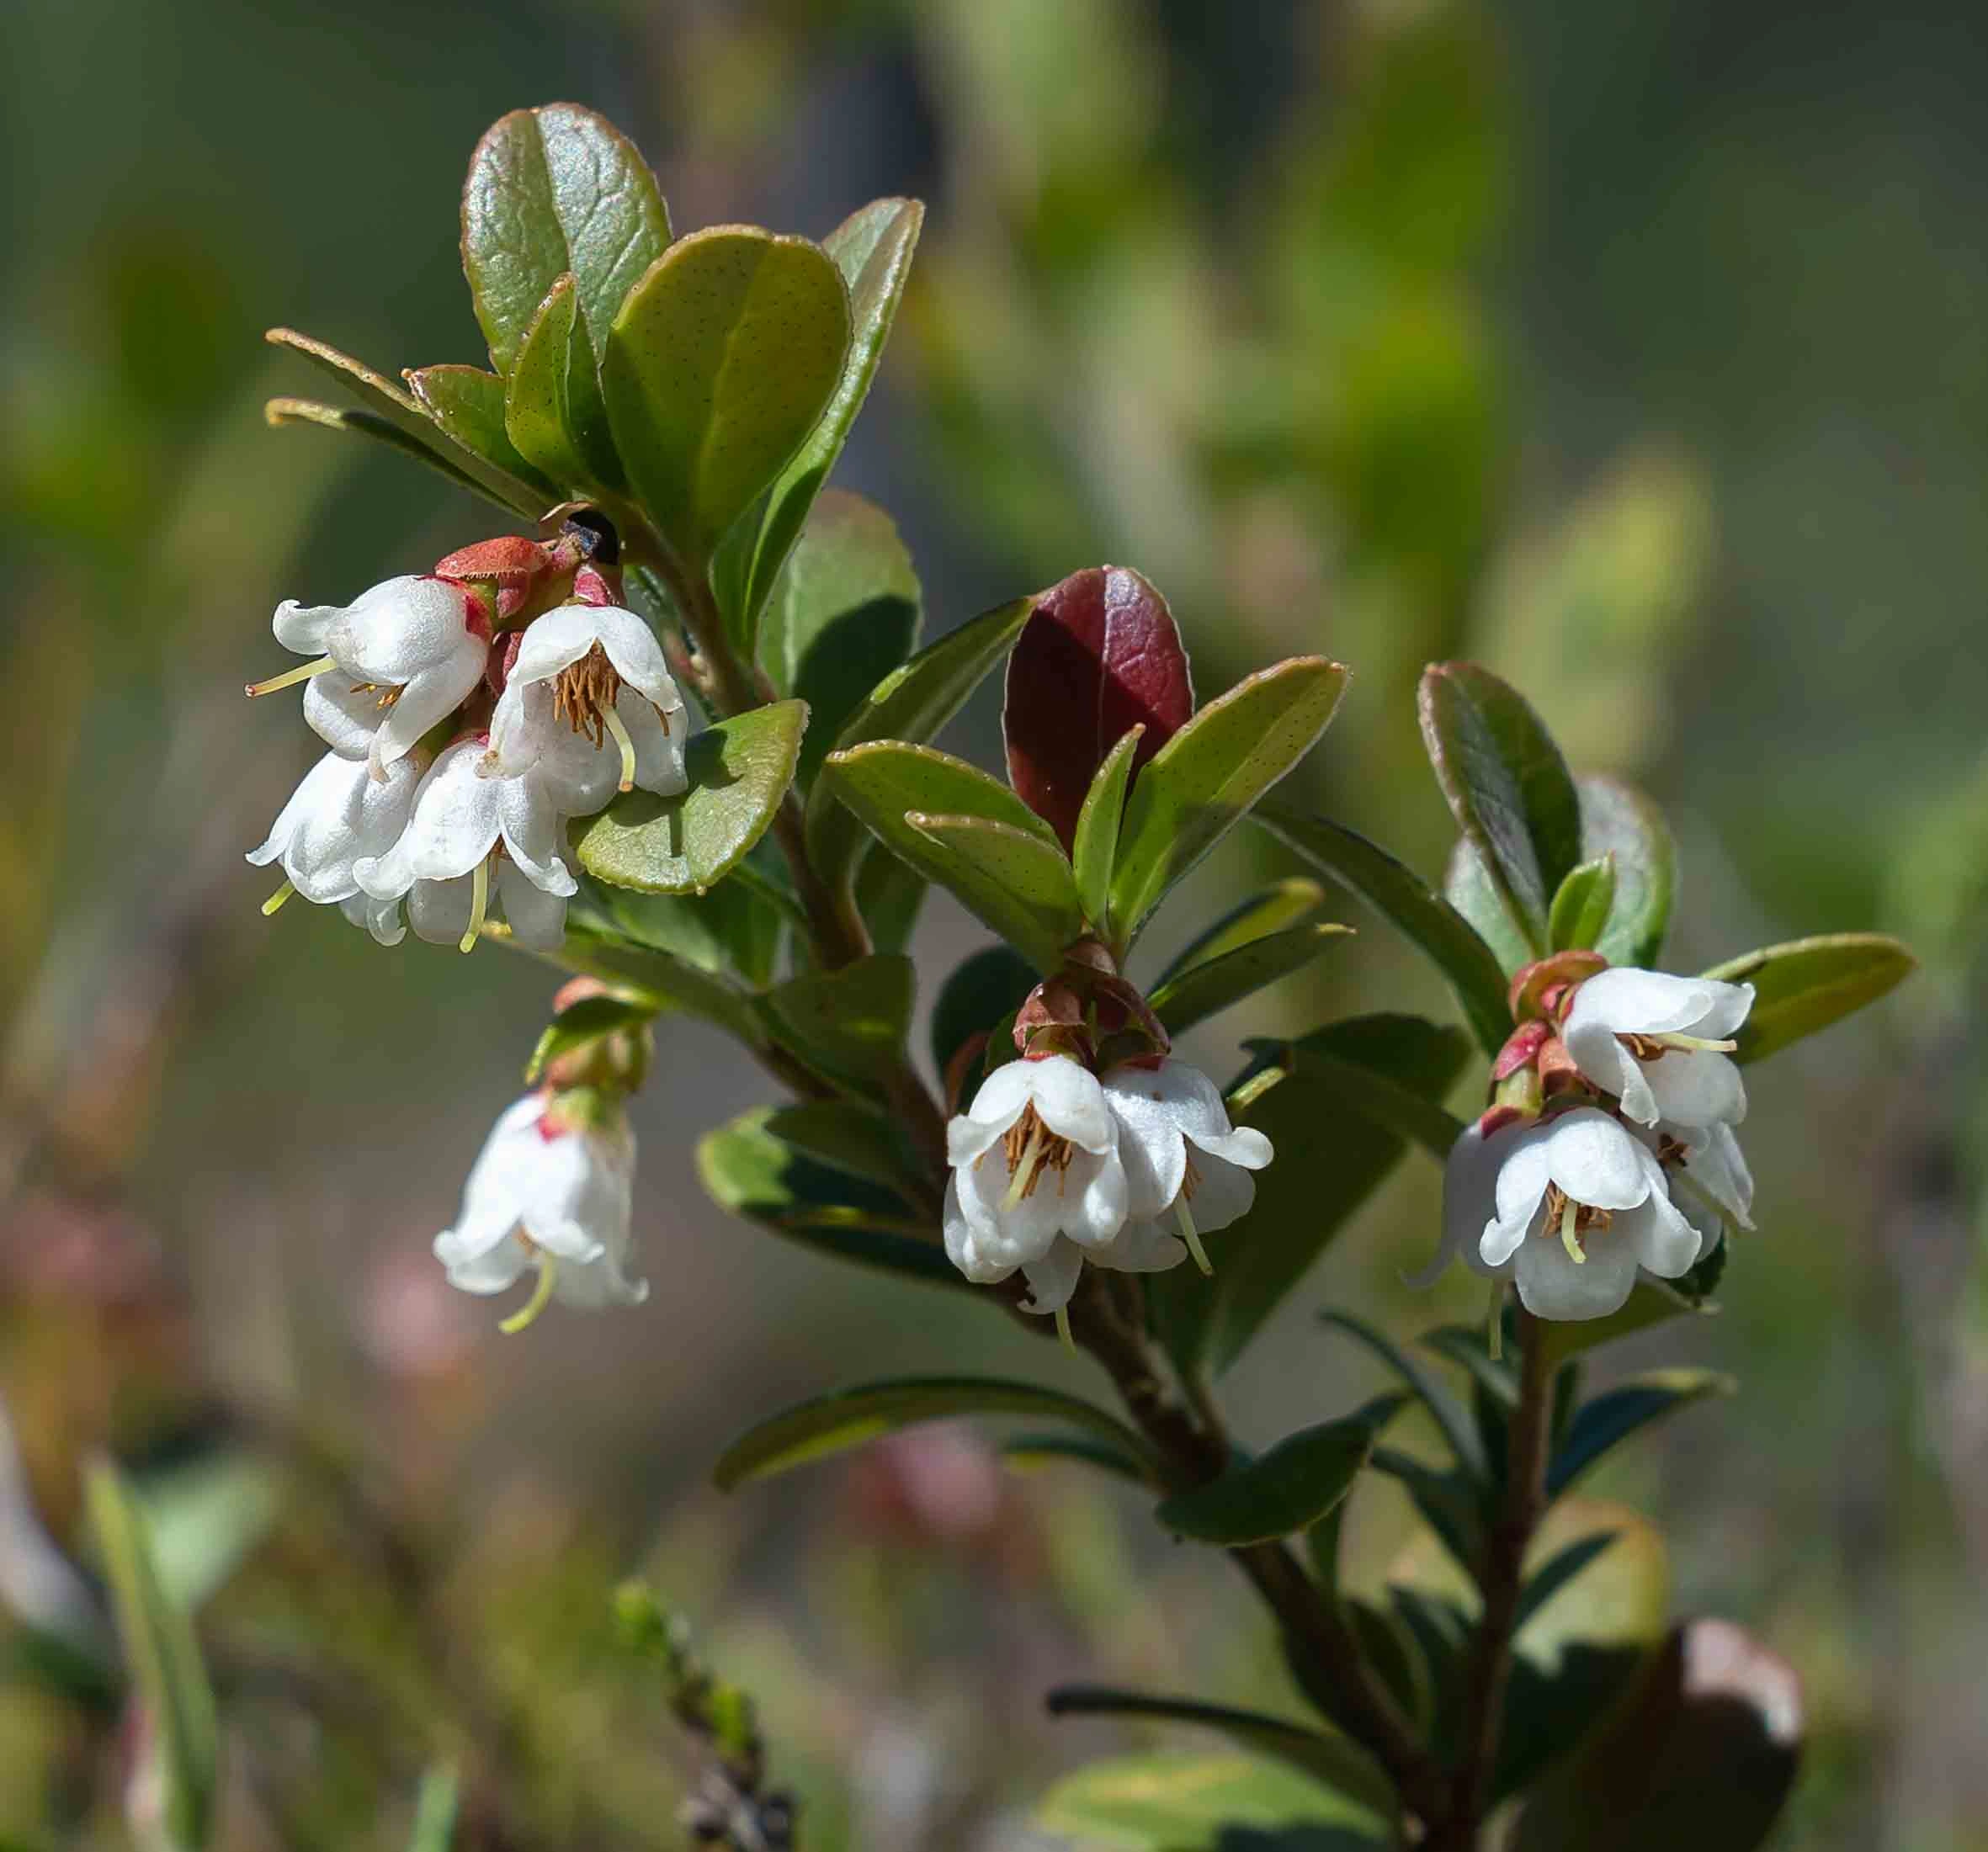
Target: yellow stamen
x=618, y=728
x=541, y=1297
x=1570, y=1219
x=1191, y=1235
x=1699, y=1043
x=290, y=677
x=277, y=899
x=1063, y=1335
x=1021, y=1182
x=479, y=904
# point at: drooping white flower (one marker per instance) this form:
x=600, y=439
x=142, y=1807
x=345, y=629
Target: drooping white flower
x=1035, y=1158
x=1139, y=1247
x=1710, y=1181
x=339, y=814
x=444, y=859
x=1661, y=1043
x=406, y=653
x=1569, y=1208
x=1185, y=1164
x=595, y=671
x=552, y=1190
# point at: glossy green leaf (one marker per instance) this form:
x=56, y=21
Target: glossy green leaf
x=580, y=1023
x=1342, y=1765
x=873, y=249
x=184, y=1745
x=889, y=895
x=732, y=932
x=911, y=704
x=881, y=782
x=661, y=978
x=1299, y=1208
x=1617, y=821
x=1210, y=773
x=514, y=499
x=551, y=190
x=468, y=403
x=1287, y=1490
x=1467, y=886
x=1025, y=1451
x=831, y=1423
x=1507, y=785
x=1704, y=1753
x=843, y=614
x=1580, y=912
x=1009, y=879
x=848, y=1136
x=990, y=984
x=435, y=1812
x=849, y=1023
x=1093, y=850
x=739, y=771
x=1401, y=897
x=1274, y=909
x=1171, y=1802
x=718, y=365
x=748, y=1168
x=1618, y=1412
x=1449, y=1415
x=552, y=404
x=1809, y=983
x=1203, y=989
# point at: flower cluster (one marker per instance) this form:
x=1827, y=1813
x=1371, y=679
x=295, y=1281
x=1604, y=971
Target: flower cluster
x=471, y=714
x=1609, y=1145
x=1054, y=1165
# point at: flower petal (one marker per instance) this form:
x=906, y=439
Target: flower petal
x=962, y=1246
x=1225, y=1193
x=1633, y=1002
x=345, y=717
x=1691, y=1088
x=440, y=911
x=402, y=627
x=1140, y=1247
x=303, y=628
x=1664, y=1241
x=659, y=748
x=453, y=825
x=537, y=920
x=1053, y=1278
x=1553, y=1285
x=1070, y=1100
x=426, y=700
x=1594, y=1160
x=1471, y=1177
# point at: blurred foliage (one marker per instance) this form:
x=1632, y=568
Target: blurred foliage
x=1638, y=352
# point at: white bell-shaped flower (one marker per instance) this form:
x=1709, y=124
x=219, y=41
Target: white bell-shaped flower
x=461, y=812
x=1710, y=1181
x=1139, y=1247
x=338, y=815
x=1034, y=1157
x=1662, y=1044
x=407, y=652
x=1568, y=1208
x=553, y=1191
x=595, y=671
x=1185, y=1164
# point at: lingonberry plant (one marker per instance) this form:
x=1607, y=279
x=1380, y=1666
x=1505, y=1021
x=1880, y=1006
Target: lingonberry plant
x=676, y=739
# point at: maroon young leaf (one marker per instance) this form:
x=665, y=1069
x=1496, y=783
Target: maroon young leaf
x=1098, y=656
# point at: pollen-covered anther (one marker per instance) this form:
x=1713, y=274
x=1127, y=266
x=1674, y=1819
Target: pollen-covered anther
x=1569, y=1220
x=584, y=695
x=1030, y=1148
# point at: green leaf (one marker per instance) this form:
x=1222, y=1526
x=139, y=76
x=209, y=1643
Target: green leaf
x=873, y=249
x=1449, y=1415
x=1402, y=897
x=990, y=984
x=847, y=1136
x=749, y=1168
x=909, y=705
x=581, y=1022
x=204, y=1518
x=1007, y=878
x=468, y=403
x=1203, y=989
x=551, y=190
x=718, y=365
x=1506, y=786
x=157, y=1637
x=1205, y=778
x=1450, y=1502
x=1467, y=886
x=1287, y=1490
x=889, y=893
x=843, y=614
x=1580, y=908
x=1618, y=1412
x=1093, y=852
x=849, y=1023
x=434, y=1811
x=1618, y=821
x=1554, y=1574
x=1342, y=1765
x=739, y=771
x=1299, y=1207
x=1703, y=1753
x=731, y=931
x=1809, y=983
x=830, y=1423
x=513, y=500
x=1275, y=909
x=660, y=979
x=1170, y=1803
x=1032, y=1450
x=552, y=406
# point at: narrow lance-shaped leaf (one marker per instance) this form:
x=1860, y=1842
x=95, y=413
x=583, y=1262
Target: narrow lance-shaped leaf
x=1173, y=1802
x=1094, y=843
x=1287, y=1490
x=1809, y=983
x=513, y=500
x=1618, y=1412
x=1507, y=785
x=1099, y=656
x=1618, y=821
x=552, y=404
x=1580, y=908
x=1274, y=909
x=1202, y=991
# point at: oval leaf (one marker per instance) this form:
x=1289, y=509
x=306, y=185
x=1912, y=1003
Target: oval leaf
x=1211, y=772
x=1099, y=656
x=551, y=190
x=1009, y=879
x=1507, y=785
x=1094, y=844
x=1580, y=908
x=468, y=403
x=1170, y=1803
x=552, y=405
x=739, y=772
x=1203, y=989
x=1289, y=1488
x=717, y=367
x=1809, y=983
x=1618, y=821
x=832, y=1423
x=849, y=1023
x=437, y=452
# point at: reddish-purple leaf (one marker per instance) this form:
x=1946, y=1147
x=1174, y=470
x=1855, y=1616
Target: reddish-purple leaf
x=1099, y=656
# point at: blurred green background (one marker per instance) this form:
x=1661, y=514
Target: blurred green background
x=1640, y=351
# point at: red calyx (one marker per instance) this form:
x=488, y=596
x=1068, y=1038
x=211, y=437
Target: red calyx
x=1542, y=989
